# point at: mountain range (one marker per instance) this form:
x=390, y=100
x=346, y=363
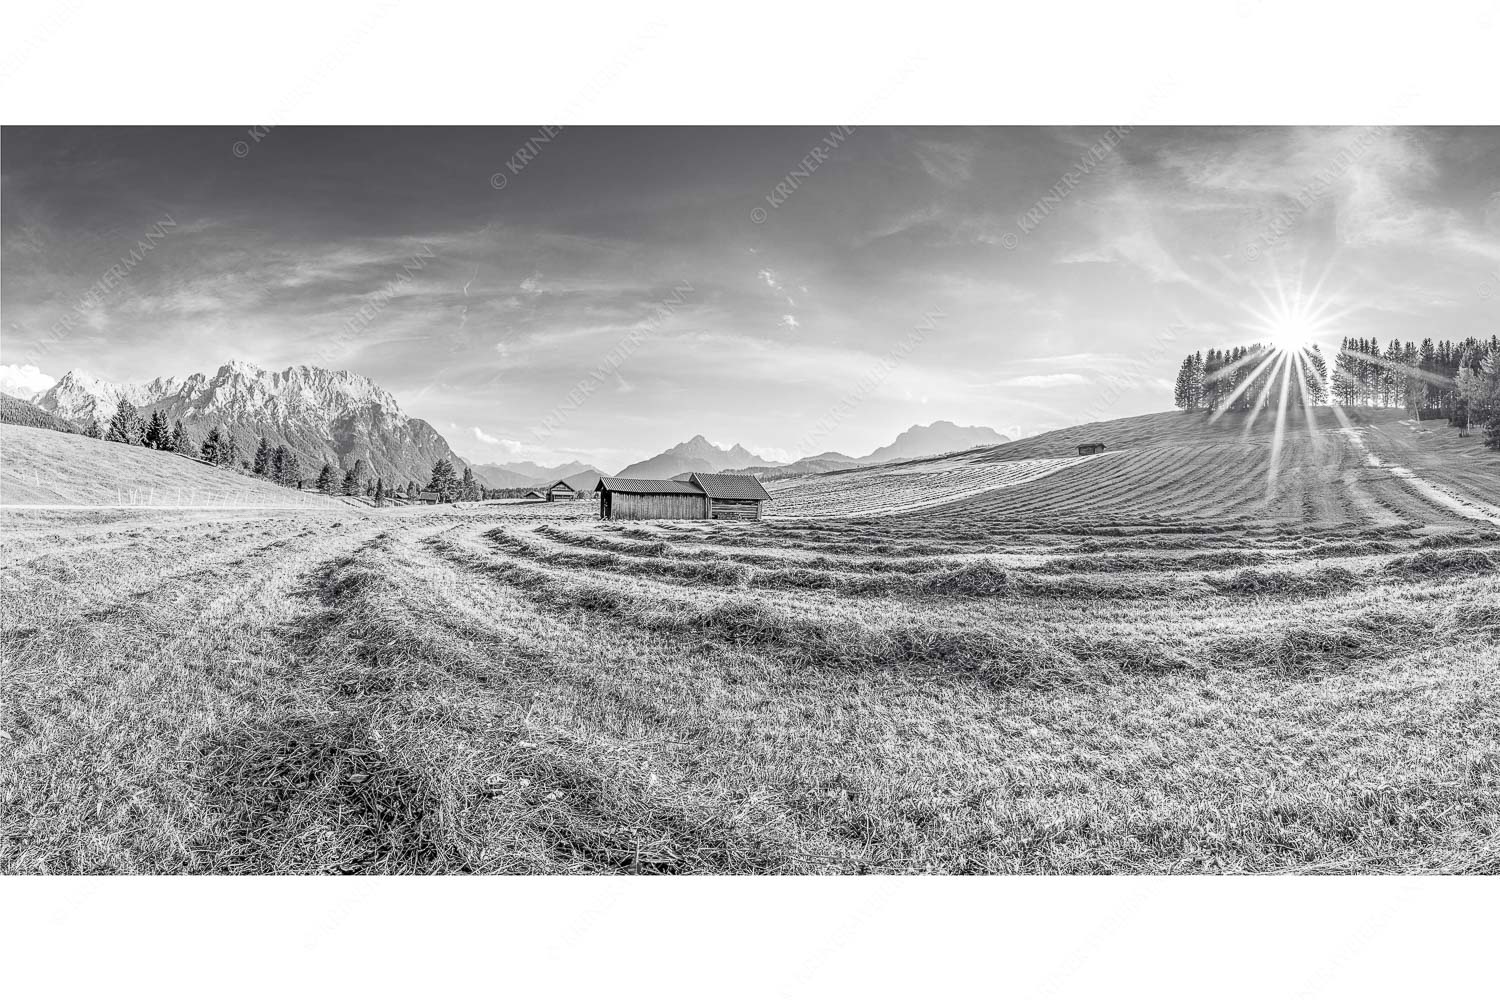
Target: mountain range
x=514, y=474
x=320, y=415
x=695, y=455
x=917, y=441
x=343, y=418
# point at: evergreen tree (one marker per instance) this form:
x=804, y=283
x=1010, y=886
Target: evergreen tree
x=325, y=479
x=469, y=489
x=157, y=435
x=380, y=492
x=92, y=428
x=1315, y=375
x=123, y=425
x=1478, y=391
x=291, y=471
x=212, y=443
x=351, y=484
x=181, y=443
x=442, y=481
x=263, y=458
x=411, y=489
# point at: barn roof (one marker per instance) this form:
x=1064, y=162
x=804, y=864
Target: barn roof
x=617, y=485
x=724, y=486
x=425, y=495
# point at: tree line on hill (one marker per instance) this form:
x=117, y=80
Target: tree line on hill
x=1457, y=381
x=278, y=464
x=1248, y=378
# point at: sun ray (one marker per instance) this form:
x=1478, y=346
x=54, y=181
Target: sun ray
x=1276, y=438
x=1244, y=385
x=1263, y=398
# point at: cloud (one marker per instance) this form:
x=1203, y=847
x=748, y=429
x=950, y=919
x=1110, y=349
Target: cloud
x=789, y=322
x=508, y=446
x=949, y=163
x=1042, y=381
x=24, y=381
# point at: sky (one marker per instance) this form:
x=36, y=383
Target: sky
x=599, y=294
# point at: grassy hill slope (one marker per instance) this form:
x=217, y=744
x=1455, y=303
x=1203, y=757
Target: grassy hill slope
x=1373, y=467
x=44, y=467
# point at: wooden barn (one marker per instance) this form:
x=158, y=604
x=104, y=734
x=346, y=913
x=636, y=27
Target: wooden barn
x=701, y=497
x=427, y=496
x=731, y=497
x=578, y=487
x=1091, y=449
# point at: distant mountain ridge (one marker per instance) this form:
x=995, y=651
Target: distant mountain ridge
x=917, y=441
x=513, y=474
x=937, y=438
x=698, y=454
x=320, y=415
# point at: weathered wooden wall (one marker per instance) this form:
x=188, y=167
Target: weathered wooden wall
x=735, y=510
x=667, y=507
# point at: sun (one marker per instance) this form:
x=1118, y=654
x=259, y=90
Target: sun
x=1292, y=333
x=1292, y=327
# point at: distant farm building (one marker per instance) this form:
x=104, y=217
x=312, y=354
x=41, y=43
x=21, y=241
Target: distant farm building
x=1090, y=449
x=427, y=496
x=534, y=495
x=579, y=487
x=701, y=497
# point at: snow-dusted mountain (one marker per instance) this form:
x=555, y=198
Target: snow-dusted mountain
x=77, y=396
x=696, y=455
x=322, y=415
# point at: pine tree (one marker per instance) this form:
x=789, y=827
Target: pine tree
x=212, y=443
x=122, y=426
x=181, y=443
x=291, y=471
x=380, y=492
x=411, y=489
x=229, y=452
x=1427, y=363
x=351, y=484
x=92, y=428
x=442, y=482
x=325, y=479
x=157, y=435
x=1315, y=375
x=262, y=464
x=1188, y=390
x=469, y=488
x=1478, y=391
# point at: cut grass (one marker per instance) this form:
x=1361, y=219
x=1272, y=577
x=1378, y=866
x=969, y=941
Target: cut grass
x=479, y=691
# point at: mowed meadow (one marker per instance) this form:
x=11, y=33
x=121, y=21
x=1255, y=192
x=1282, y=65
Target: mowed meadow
x=1203, y=651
